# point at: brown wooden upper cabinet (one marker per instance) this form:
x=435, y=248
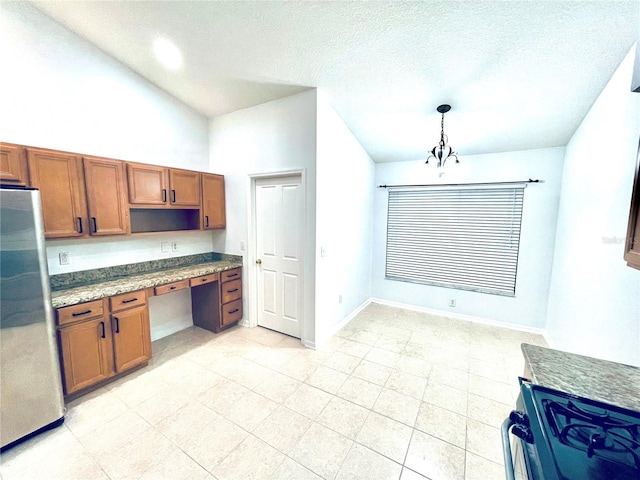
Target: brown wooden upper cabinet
x=13, y=165
x=106, y=196
x=632, y=246
x=58, y=176
x=213, y=205
x=70, y=210
x=152, y=186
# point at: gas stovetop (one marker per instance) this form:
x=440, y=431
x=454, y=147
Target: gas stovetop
x=576, y=438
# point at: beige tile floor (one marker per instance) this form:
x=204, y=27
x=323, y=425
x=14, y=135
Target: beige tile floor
x=396, y=394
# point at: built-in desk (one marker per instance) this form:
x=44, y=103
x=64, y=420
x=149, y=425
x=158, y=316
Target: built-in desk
x=79, y=287
x=103, y=317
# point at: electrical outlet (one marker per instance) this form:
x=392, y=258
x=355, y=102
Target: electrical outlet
x=452, y=303
x=64, y=258
x=241, y=245
x=339, y=298
x=165, y=247
x=174, y=246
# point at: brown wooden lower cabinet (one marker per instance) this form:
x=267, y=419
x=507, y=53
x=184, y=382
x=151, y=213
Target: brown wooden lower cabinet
x=131, y=338
x=87, y=354
x=104, y=342
x=216, y=306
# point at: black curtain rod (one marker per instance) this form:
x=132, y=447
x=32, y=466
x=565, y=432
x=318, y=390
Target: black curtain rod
x=462, y=184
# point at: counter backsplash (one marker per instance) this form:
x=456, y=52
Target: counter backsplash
x=87, y=277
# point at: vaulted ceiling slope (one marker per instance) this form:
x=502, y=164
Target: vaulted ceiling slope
x=518, y=74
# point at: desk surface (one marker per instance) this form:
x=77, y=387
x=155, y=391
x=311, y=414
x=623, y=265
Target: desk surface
x=73, y=296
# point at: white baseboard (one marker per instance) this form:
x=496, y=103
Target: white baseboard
x=338, y=326
x=468, y=318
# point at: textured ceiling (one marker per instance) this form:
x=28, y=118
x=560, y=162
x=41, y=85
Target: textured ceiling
x=518, y=74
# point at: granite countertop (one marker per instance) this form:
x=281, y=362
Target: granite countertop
x=100, y=283
x=601, y=380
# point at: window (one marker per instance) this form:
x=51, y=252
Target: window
x=458, y=237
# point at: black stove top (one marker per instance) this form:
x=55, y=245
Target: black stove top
x=576, y=438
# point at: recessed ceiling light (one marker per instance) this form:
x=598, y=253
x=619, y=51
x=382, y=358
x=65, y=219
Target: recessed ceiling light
x=167, y=53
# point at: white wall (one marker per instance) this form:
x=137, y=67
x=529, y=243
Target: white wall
x=594, y=304
x=528, y=307
x=59, y=91
x=344, y=221
x=273, y=137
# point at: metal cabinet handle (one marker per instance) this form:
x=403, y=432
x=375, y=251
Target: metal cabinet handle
x=134, y=299
x=234, y=310
x=173, y=287
x=103, y=333
x=206, y=221
x=258, y=261
x=173, y=195
x=95, y=224
x=79, y=224
x=117, y=324
x=231, y=291
x=235, y=274
x=78, y=314
x=164, y=195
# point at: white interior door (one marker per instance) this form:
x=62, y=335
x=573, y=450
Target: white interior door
x=279, y=250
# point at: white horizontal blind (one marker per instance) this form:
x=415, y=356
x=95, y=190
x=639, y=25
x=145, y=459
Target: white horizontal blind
x=459, y=237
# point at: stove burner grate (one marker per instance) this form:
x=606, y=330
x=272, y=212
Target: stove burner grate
x=598, y=433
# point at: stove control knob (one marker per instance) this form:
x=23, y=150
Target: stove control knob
x=519, y=418
x=523, y=432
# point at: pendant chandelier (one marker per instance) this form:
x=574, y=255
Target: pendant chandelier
x=443, y=151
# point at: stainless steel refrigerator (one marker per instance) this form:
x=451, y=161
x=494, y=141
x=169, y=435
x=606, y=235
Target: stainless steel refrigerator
x=30, y=384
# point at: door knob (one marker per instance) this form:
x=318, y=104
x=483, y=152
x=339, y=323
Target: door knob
x=259, y=261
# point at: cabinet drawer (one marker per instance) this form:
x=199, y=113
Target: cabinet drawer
x=81, y=311
x=231, y=291
x=127, y=300
x=230, y=274
x=172, y=287
x=194, y=282
x=231, y=312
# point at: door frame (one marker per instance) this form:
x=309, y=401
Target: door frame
x=252, y=248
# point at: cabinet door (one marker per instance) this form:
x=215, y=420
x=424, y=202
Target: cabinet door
x=213, y=204
x=86, y=354
x=185, y=188
x=59, y=177
x=13, y=167
x=147, y=184
x=131, y=337
x=106, y=202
